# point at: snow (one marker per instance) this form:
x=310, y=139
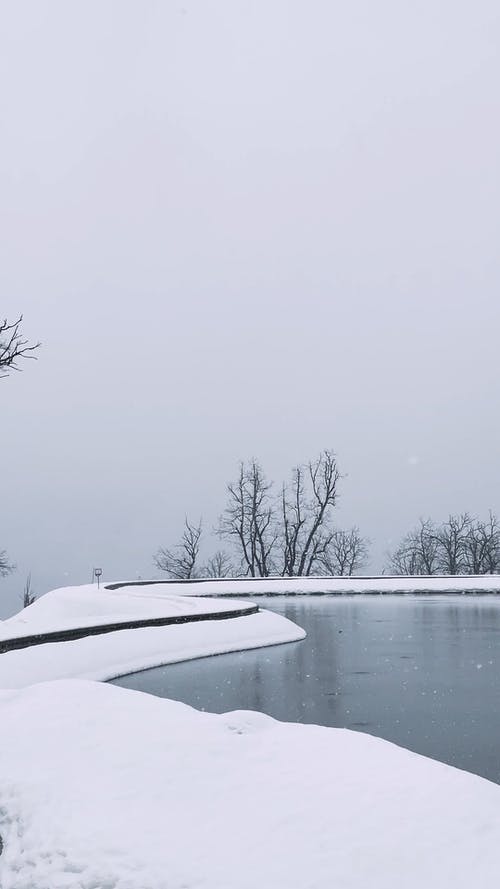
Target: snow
x=127, y=651
x=83, y=606
x=295, y=586
x=105, y=788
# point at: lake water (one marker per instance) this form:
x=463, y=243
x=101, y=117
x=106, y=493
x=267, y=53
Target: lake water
x=423, y=672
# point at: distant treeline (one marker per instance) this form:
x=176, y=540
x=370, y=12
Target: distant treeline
x=290, y=531
x=461, y=545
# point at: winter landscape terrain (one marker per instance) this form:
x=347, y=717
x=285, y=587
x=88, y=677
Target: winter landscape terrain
x=107, y=788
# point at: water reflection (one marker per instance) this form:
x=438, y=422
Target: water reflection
x=422, y=672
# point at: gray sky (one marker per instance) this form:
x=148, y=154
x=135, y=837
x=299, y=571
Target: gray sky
x=244, y=228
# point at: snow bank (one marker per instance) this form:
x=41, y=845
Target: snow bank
x=302, y=586
x=127, y=651
x=104, y=787
x=81, y=606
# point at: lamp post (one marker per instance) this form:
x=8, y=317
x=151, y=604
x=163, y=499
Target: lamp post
x=98, y=573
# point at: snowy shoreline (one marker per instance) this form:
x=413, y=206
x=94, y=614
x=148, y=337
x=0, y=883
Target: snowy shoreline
x=77, y=607
x=25, y=641
x=485, y=584
x=129, y=791
x=123, y=652
x=193, y=628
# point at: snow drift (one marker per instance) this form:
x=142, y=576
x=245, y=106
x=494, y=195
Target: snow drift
x=104, y=787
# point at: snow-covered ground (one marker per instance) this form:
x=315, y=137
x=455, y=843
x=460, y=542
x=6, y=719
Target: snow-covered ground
x=126, y=651
x=295, y=586
x=83, y=606
x=105, y=788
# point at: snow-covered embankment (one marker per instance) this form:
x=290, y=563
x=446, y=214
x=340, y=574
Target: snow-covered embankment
x=105, y=787
x=125, y=651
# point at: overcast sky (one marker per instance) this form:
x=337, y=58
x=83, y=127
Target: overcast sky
x=244, y=227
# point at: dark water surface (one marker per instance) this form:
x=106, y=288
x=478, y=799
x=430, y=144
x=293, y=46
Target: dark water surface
x=423, y=672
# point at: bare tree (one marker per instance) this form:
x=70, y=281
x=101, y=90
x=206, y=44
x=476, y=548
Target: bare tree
x=452, y=539
x=491, y=558
x=181, y=561
x=249, y=520
x=418, y=552
x=404, y=560
x=427, y=547
x=293, y=521
x=346, y=553
x=306, y=508
x=219, y=565
x=292, y=534
x=461, y=545
x=13, y=346
x=5, y=566
x=28, y=596
x=482, y=546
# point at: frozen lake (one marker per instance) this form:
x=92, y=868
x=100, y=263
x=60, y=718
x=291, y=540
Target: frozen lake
x=423, y=672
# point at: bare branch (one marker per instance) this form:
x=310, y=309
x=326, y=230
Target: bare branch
x=5, y=566
x=482, y=546
x=306, y=509
x=13, y=346
x=461, y=545
x=451, y=538
x=344, y=553
x=418, y=551
x=180, y=562
x=249, y=520
x=219, y=565
x=28, y=596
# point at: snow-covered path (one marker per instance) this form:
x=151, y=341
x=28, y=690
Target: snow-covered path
x=304, y=586
x=104, y=788
x=124, y=651
x=127, y=651
x=72, y=608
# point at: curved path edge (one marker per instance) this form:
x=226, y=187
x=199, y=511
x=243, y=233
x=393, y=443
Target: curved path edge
x=81, y=632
